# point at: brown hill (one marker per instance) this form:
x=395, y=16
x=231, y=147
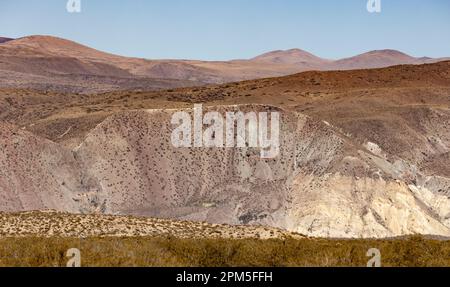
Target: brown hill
x=49, y=63
x=292, y=57
x=374, y=59
x=380, y=59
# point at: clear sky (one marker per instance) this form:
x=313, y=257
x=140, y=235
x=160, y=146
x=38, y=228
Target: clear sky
x=233, y=29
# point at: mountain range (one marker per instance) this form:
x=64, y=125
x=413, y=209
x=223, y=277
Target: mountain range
x=55, y=64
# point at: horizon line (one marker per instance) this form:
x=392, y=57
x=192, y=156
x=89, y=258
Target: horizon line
x=222, y=60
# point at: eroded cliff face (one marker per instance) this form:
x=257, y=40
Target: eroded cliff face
x=142, y=173
x=36, y=173
x=323, y=183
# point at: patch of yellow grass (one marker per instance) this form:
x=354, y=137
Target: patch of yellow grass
x=150, y=251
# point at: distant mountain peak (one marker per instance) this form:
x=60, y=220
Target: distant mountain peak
x=47, y=41
x=291, y=56
x=374, y=59
x=56, y=46
x=388, y=52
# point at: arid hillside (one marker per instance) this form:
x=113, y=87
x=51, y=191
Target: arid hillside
x=363, y=154
x=52, y=64
x=47, y=224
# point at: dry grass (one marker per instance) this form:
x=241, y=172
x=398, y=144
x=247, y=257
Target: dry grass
x=148, y=251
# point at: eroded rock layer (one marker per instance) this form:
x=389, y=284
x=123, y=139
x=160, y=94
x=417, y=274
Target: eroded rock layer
x=323, y=183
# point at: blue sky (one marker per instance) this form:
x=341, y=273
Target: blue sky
x=233, y=29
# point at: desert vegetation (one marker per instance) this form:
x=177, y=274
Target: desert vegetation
x=413, y=251
x=42, y=239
